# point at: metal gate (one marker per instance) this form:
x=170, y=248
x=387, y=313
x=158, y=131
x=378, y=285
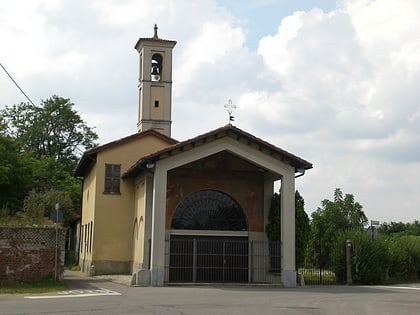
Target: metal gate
x=205, y=259
x=317, y=267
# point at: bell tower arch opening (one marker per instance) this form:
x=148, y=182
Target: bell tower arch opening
x=156, y=67
x=155, y=83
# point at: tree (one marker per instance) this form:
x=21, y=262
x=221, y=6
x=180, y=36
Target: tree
x=413, y=228
x=20, y=173
x=48, y=174
x=302, y=226
x=39, y=205
x=303, y=229
x=341, y=214
x=39, y=147
x=15, y=175
x=53, y=129
x=273, y=228
x=400, y=228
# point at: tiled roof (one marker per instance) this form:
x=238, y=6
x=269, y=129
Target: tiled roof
x=89, y=156
x=154, y=39
x=227, y=130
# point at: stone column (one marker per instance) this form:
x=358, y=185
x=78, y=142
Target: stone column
x=288, y=230
x=143, y=275
x=147, y=220
x=158, y=227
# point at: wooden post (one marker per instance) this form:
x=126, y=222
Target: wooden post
x=348, y=262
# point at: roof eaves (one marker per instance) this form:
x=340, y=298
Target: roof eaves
x=272, y=147
x=218, y=133
x=90, y=155
x=154, y=39
x=87, y=159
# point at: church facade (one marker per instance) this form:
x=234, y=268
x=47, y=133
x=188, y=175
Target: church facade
x=148, y=200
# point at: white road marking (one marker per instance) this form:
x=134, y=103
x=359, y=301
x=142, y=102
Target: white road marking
x=398, y=287
x=74, y=294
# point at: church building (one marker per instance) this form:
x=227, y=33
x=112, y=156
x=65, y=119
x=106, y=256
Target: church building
x=192, y=211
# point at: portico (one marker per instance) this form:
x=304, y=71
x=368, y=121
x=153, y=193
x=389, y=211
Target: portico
x=227, y=160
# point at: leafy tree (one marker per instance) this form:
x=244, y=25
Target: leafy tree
x=273, y=228
x=302, y=225
x=38, y=205
x=341, y=214
x=15, y=175
x=49, y=174
x=39, y=147
x=273, y=231
x=400, y=228
x=303, y=229
x=53, y=129
x=414, y=228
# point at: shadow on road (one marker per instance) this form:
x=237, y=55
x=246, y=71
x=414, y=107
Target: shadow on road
x=77, y=280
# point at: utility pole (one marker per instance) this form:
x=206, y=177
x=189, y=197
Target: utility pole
x=56, y=217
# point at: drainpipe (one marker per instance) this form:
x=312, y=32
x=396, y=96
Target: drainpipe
x=301, y=171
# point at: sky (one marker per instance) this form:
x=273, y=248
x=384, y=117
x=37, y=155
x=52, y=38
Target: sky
x=333, y=82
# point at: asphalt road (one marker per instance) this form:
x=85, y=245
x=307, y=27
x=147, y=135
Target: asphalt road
x=98, y=296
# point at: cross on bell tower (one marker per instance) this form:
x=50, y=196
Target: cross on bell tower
x=155, y=83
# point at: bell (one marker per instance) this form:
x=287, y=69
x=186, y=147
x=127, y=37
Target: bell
x=155, y=73
x=155, y=70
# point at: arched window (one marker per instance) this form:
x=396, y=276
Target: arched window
x=209, y=210
x=135, y=231
x=156, y=69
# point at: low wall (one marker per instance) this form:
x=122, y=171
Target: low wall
x=28, y=253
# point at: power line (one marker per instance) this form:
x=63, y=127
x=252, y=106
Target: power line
x=27, y=97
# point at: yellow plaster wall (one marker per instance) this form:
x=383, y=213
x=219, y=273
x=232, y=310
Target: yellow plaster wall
x=139, y=221
x=88, y=214
x=114, y=213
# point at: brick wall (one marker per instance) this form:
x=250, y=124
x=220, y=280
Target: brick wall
x=28, y=253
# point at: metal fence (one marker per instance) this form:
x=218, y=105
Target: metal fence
x=221, y=260
x=317, y=267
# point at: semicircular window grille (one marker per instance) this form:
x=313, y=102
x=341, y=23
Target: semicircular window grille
x=209, y=210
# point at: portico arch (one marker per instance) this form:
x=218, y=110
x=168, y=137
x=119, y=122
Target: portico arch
x=209, y=210
x=209, y=239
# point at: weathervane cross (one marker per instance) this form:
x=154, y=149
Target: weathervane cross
x=230, y=107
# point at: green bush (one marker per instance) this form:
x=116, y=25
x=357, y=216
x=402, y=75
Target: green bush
x=369, y=259
x=405, y=257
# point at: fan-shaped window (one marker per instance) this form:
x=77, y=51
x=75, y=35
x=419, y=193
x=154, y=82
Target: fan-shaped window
x=209, y=210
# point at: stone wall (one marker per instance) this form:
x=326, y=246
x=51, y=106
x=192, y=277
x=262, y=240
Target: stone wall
x=28, y=253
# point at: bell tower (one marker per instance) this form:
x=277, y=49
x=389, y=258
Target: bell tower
x=155, y=83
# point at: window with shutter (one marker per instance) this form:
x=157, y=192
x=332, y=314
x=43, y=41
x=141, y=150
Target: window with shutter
x=112, y=178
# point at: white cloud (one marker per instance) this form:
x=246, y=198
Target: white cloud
x=338, y=87
x=347, y=98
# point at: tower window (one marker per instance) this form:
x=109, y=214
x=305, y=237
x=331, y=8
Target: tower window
x=156, y=67
x=156, y=104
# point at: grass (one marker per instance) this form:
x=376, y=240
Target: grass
x=312, y=276
x=41, y=286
